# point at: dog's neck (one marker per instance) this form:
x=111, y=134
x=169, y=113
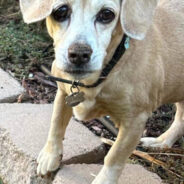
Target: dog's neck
x=120, y=50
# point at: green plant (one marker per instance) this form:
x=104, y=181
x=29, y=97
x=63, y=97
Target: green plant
x=22, y=46
x=1, y=182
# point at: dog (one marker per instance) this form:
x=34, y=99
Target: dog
x=150, y=73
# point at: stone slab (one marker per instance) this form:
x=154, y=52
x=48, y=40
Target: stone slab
x=15, y=166
x=10, y=89
x=24, y=132
x=85, y=174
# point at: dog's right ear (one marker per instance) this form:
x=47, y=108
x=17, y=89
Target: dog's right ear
x=35, y=10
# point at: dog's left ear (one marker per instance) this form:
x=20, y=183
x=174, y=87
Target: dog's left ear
x=137, y=16
x=35, y=10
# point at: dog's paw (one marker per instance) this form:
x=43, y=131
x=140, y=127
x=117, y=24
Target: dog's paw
x=48, y=160
x=154, y=142
x=106, y=176
x=103, y=180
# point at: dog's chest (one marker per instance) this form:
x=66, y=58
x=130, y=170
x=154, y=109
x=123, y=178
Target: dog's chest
x=103, y=104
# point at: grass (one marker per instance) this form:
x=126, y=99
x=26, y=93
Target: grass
x=18, y=41
x=22, y=46
x=1, y=182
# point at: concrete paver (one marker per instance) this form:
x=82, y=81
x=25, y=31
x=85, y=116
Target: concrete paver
x=10, y=89
x=85, y=174
x=24, y=131
x=15, y=166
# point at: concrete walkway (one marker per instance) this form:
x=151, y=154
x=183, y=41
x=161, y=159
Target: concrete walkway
x=23, y=132
x=85, y=174
x=10, y=89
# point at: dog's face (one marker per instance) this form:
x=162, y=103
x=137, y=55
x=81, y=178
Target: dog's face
x=82, y=29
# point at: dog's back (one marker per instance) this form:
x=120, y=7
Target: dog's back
x=169, y=25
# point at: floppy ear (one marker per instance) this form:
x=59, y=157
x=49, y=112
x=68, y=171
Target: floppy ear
x=35, y=10
x=137, y=16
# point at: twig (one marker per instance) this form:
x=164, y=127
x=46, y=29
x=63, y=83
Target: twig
x=107, y=141
x=145, y=156
x=23, y=97
x=167, y=154
x=47, y=82
x=45, y=70
x=109, y=125
x=13, y=14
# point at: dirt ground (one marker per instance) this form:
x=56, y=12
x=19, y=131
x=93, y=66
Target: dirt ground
x=25, y=48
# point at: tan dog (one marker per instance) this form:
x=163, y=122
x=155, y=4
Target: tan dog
x=149, y=74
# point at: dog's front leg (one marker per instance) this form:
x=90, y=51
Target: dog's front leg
x=128, y=137
x=51, y=155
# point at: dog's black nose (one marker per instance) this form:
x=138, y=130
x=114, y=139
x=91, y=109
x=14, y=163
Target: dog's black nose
x=79, y=54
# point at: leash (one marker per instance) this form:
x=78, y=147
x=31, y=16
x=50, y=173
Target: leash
x=124, y=44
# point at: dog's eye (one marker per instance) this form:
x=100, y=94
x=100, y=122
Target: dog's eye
x=62, y=13
x=105, y=16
